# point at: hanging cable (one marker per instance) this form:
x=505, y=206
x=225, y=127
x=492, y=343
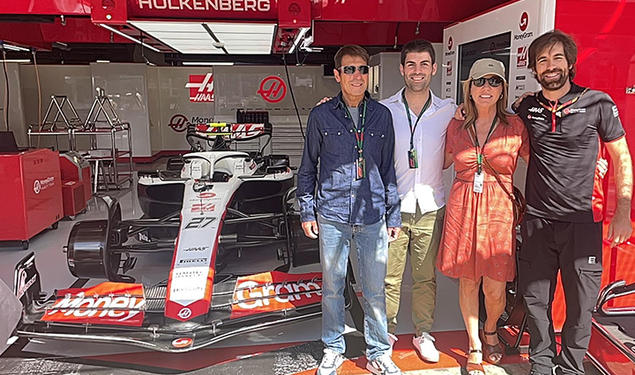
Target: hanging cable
x=295, y=105
x=39, y=96
x=39, y=89
x=6, y=87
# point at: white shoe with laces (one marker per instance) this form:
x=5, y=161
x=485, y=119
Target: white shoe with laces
x=425, y=347
x=331, y=361
x=383, y=365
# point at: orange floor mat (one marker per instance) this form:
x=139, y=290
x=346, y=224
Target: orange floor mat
x=451, y=344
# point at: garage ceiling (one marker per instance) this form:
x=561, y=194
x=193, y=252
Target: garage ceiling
x=173, y=31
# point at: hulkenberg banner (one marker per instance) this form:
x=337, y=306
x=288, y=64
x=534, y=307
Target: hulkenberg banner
x=204, y=9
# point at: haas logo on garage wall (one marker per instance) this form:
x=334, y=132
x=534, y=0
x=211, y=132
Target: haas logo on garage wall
x=201, y=88
x=178, y=123
x=521, y=57
x=272, y=89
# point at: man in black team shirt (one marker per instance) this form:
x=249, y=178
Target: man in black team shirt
x=567, y=126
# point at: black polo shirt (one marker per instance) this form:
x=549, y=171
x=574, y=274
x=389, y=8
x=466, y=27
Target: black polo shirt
x=562, y=183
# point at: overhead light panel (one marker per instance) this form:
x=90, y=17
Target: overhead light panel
x=128, y=37
x=207, y=63
x=11, y=47
x=60, y=45
x=212, y=37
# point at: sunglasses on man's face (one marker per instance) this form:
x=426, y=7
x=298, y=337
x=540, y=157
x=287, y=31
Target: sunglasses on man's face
x=493, y=81
x=350, y=69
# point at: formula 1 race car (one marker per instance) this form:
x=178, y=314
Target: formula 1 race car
x=230, y=202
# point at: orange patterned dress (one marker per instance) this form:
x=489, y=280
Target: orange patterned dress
x=478, y=237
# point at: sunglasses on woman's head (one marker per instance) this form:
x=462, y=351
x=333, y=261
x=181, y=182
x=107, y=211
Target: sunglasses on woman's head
x=350, y=69
x=493, y=81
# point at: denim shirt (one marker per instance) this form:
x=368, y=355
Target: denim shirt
x=340, y=197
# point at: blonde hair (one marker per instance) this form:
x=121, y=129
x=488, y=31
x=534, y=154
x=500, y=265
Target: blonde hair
x=471, y=114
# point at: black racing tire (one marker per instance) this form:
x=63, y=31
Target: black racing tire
x=87, y=243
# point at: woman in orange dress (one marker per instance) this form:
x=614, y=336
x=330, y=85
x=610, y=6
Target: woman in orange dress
x=478, y=235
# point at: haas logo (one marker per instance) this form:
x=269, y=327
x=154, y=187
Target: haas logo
x=201, y=88
x=182, y=342
x=185, y=313
x=524, y=21
x=272, y=89
x=178, y=123
x=521, y=57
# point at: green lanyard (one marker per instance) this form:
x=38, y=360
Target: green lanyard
x=425, y=107
x=359, y=132
x=479, y=149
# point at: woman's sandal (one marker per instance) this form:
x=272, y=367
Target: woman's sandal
x=474, y=368
x=493, y=353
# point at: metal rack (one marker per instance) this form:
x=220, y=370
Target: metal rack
x=112, y=167
x=56, y=105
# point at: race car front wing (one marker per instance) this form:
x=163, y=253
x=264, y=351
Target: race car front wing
x=126, y=313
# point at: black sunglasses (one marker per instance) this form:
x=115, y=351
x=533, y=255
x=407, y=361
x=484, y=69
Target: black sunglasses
x=350, y=69
x=493, y=81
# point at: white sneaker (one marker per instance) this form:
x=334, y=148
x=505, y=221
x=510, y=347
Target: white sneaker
x=425, y=347
x=331, y=361
x=383, y=365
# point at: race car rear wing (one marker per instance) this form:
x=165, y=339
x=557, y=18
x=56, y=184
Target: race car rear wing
x=231, y=131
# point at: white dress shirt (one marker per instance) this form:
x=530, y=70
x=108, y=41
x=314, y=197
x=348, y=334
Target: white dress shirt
x=422, y=185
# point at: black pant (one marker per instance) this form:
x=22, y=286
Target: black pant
x=576, y=250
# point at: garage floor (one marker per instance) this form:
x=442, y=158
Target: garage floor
x=292, y=349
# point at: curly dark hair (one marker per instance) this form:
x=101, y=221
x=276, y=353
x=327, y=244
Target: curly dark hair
x=547, y=41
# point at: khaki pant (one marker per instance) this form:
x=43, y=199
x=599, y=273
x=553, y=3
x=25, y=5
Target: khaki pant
x=420, y=237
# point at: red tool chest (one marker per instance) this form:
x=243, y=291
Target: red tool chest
x=76, y=183
x=31, y=193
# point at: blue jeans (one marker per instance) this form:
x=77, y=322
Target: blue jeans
x=371, y=242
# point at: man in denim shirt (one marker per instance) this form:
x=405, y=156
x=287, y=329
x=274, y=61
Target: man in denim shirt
x=356, y=199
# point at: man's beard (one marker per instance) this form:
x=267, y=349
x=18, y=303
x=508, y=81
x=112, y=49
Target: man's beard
x=552, y=85
x=417, y=86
